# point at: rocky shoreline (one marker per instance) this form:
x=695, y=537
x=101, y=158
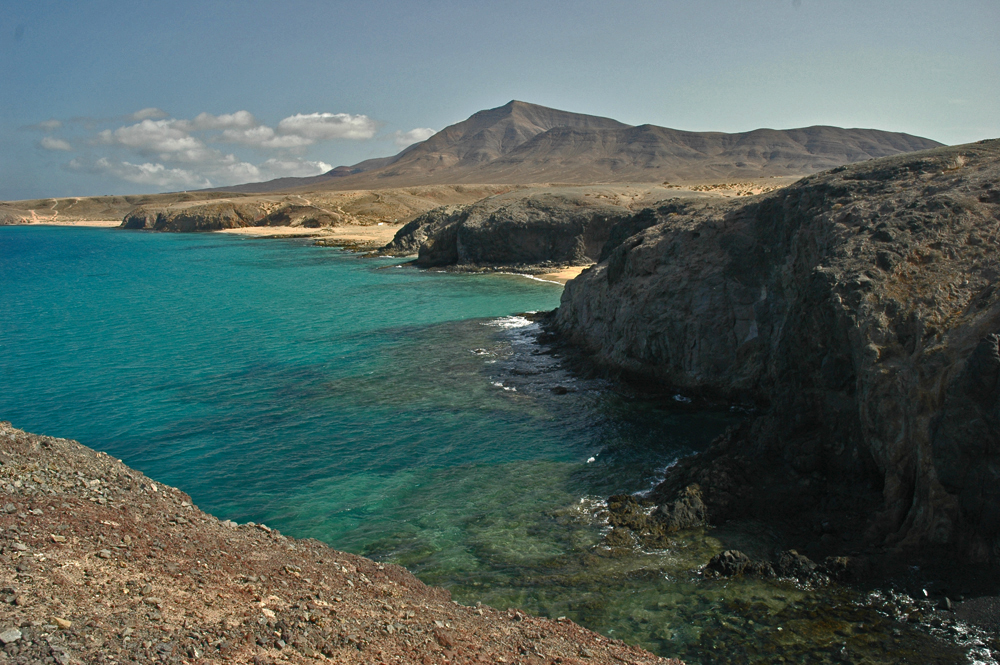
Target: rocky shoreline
x=104, y=565
x=858, y=310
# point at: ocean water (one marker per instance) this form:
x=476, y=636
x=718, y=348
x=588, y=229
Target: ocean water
x=405, y=415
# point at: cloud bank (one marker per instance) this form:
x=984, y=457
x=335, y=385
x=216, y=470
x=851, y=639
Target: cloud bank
x=149, y=147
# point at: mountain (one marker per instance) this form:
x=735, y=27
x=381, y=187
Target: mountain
x=521, y=143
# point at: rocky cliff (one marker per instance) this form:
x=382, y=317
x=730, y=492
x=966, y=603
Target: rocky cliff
x=532, y=227
x=214, y=216
x=859, y=309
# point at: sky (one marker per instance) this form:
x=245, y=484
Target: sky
x=134, y=97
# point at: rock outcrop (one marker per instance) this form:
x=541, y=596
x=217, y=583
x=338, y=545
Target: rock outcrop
x=514, y=229
x=214, y=216
x=858, y=308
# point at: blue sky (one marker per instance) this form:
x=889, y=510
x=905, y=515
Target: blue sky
x=129, y=97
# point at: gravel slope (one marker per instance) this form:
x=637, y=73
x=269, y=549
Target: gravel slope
x=103, y=565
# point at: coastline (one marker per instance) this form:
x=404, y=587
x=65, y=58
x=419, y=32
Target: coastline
x=93, y=223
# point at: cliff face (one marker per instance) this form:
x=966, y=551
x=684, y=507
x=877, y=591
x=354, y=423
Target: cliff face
x=858, y=307
x=517, y=228
x=215, y=216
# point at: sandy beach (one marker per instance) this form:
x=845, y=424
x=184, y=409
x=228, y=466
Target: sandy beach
x=369, y=235
x=563, y=275
x=43, y=221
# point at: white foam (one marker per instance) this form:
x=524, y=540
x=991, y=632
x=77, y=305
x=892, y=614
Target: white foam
x=537, y=279
x=509, y=322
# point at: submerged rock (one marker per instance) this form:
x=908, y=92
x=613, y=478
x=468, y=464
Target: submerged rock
x=640, y=521
x=687, y=511
x=860, y=309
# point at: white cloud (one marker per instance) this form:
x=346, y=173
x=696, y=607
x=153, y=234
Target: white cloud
x=51, y=143
x=177, y=153
x=327, y=126
x=48, y=125
x=263, y=137
x=150, y=113
x=168, y=138
x=403, y=139
x=152, y=136
x=239, y=120
x=156, y=175
x=298, y=168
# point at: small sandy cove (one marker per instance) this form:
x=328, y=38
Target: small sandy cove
x=373, y=234
x=563, y=275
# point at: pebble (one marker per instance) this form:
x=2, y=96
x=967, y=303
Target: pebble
x=10, y=635
x=104, y=554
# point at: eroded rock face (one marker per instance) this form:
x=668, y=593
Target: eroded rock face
x=511, y=229
x=858, y=307
x=228, y=215
x=207, y=217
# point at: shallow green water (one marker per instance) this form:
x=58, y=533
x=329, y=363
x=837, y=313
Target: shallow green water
x=401, y=414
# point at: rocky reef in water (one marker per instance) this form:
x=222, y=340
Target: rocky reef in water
x=516, y=230
x=859, y=311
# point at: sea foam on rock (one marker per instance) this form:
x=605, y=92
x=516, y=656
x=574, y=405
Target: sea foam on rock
x=860, y=309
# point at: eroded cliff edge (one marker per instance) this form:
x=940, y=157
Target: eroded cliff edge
x=520, y=230
x=859, y=310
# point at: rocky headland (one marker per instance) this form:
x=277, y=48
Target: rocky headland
x=526, y=230
x=104, y=565
x=856, y=314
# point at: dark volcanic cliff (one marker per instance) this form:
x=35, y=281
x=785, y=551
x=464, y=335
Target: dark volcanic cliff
x=214, y=216
x=517, y=228
x=858, y=308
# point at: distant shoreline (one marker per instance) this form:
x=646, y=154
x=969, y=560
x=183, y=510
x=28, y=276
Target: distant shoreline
x=94, y=223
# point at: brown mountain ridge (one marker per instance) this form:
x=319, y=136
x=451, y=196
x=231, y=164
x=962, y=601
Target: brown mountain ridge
x=520, y=143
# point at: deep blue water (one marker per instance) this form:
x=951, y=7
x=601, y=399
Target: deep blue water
x=402, y=414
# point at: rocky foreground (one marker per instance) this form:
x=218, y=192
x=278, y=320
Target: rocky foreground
x=103, y=565
x=859, y=312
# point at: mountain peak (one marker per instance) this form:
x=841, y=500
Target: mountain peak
x=521, y=142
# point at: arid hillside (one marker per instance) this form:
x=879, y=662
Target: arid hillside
x=520, y=143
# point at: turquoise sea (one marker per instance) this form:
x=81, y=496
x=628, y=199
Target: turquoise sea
x=401, y=414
